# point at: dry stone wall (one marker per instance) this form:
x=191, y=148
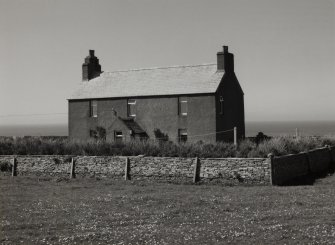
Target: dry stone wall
x=246, y=170
x=170, y=168
x=99, y=166
x=234, y=170
x=58, y=166
x=273, y=170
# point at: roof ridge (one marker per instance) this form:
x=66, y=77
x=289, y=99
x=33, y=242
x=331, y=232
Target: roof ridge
x=156, y=68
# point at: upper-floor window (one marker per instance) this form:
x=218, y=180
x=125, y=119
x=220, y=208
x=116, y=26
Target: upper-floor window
x=94, y=108
x=131, y=108
x=182, y=106
x=221, y=105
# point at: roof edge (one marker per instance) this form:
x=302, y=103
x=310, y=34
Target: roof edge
x=141, y=96
x=156, y=68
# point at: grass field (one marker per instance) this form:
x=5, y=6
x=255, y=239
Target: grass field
x=90, y=211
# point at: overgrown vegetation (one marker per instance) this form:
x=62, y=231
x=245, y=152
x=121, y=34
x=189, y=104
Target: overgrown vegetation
x=246, y=148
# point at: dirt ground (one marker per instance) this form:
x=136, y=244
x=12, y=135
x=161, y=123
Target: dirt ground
x=90, y=211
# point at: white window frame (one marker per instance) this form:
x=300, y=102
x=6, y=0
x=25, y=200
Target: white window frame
x=182, y=100
x=131, y=102
x=94, y=112
x=117, y=135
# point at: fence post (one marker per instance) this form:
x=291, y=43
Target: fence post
x=14, y=166
x=72, y=169
x=127, y=170
x=270, y=156
x=196, y=174
x=235, y=135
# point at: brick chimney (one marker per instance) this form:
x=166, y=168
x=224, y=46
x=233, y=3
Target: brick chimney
x=225, y=60
x=91, y=67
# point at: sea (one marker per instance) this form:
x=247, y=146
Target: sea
x=275, y=128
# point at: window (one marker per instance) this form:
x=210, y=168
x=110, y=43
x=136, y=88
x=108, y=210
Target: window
x=131, y=108
x=94, y=108
x=182, y=134
x=221, y=105
x=182, y=106
x=118, y=136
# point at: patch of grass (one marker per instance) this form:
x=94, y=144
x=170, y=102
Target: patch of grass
x=86, y=211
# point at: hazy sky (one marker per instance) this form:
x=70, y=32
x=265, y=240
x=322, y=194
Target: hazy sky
x=284, y=50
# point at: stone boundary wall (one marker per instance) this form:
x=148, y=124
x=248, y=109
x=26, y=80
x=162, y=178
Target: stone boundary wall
x=273, y=170
x=232, y=170
x=99, y=166
x=246, y=170
x=332, y=153
x=314, y=162
x=289, y=167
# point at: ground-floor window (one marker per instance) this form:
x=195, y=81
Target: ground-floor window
x=93, y=134
x=182, y=134
x=118, y=136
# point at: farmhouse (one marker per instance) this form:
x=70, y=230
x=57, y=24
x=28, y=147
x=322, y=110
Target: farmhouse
x=178, y=103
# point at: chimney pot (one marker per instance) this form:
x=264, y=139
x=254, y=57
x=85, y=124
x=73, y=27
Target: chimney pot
x=225, y=60
x=225, y=49
x=91, y=67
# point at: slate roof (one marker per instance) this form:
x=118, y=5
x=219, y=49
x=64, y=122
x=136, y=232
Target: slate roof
x=151, y=82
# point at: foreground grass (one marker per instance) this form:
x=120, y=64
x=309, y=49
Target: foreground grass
x=89, y=211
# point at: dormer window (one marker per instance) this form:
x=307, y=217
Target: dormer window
x=94, y=108
x=131, y=108
x=182, y=106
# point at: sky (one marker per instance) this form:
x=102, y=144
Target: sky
x=284, y=50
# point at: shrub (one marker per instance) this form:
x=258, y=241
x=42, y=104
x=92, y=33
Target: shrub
x=246, y=148
x=5, y=167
